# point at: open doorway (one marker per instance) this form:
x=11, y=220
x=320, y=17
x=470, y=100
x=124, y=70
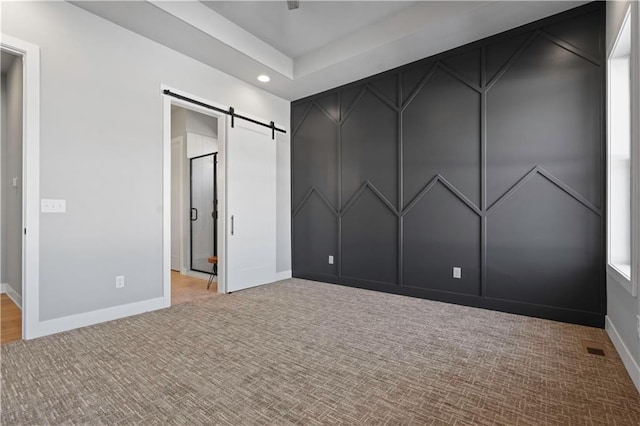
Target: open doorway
x=246, y=203
x=11, y=204
x=194, y=204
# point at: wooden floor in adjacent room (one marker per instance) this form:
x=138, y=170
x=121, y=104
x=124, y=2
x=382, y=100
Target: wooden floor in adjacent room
x=183, y=289
x=186, y=289
x=10, y=321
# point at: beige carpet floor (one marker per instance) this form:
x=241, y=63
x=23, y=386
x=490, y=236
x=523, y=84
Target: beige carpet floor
x=311, y=353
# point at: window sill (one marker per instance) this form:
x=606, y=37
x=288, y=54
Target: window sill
x=621, y=275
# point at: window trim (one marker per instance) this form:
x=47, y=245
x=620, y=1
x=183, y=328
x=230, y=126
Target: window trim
x=629, y=284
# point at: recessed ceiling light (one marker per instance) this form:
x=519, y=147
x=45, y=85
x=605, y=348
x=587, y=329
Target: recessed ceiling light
x=264, y=78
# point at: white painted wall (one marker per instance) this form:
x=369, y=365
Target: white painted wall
x=12, y=168
x=184, y=121
x=177, y=195
x=3, y=165
x=198, y=144
x=622, y=307
x=178, y=122
x=101, y=151
x=179, y=129
x=201, y=124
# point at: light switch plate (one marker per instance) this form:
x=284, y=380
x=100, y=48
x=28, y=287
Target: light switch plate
x=330, y=260
x=53, y=206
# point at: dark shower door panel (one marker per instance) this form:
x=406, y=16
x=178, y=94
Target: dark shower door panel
x=203, y=199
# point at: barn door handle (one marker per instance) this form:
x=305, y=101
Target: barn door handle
x=194, y=210
x=232, y=224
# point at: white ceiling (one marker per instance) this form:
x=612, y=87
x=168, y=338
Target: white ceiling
x=313, y=25
x=321, y=45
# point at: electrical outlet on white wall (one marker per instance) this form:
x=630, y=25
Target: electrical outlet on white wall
x=120, y=281
x=457, y=272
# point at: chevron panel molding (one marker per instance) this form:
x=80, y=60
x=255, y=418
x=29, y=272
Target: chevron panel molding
x=489, y=157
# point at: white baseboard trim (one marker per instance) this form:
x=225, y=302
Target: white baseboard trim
x=283, y=275
x=71, y=322
x=14, y=296
x=630, y=364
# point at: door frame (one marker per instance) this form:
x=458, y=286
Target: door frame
x=167, y=101
x=30, y=54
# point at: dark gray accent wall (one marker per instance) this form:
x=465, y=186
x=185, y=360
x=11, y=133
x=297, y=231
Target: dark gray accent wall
x=489, y=158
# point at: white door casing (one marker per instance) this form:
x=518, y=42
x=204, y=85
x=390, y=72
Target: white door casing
x=166, y=188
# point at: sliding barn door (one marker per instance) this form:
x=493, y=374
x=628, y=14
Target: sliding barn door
x=251, y=206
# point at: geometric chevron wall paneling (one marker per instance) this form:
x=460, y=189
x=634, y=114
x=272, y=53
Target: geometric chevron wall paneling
x=489, y=157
